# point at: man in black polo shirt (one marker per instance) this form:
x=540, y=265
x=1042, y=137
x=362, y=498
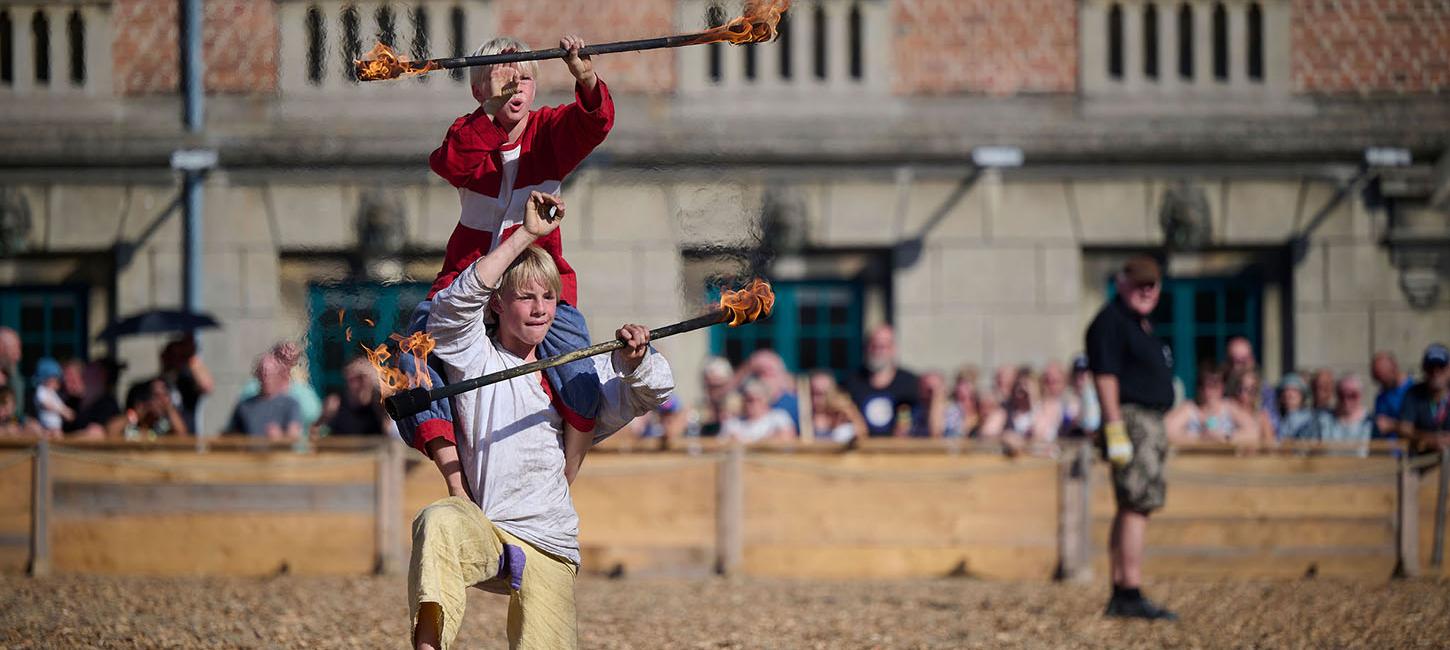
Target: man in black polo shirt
x=1425, y=414
x=1133, y=371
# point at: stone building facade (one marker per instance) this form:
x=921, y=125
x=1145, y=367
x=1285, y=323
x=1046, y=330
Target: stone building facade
x=1229, y=136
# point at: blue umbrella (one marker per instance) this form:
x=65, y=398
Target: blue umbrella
x=159, y=321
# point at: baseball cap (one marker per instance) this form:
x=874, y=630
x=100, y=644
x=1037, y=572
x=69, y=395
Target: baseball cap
x=1436, y=355
x=1142, y=270
x=47, y=368
x=1080, y=363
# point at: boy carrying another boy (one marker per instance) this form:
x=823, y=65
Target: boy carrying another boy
x=497, y=156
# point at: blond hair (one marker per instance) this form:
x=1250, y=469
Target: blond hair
x=533, y=265
x=479, y=75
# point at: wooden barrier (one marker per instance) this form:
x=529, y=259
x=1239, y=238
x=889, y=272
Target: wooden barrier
x=888, y=508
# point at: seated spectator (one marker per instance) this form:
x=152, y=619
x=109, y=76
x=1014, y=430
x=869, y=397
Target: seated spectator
x=1245, y=390
x=99, y=406
x=1241, y=358
x=769, y=368
x=1351, y=421
x=834, y=417
x=928, y=417
x=1003, y=378
x=1024, y=425
x=10, y=354
x=1209, y=418
x=90, y=391
x=73, y=392
x=359, y=409
x=299, y=386
x=1425, y=415
x=50, y=408
x=885, y=393
x=720, y=402
x=1393, y=385
x=1322, y=389
x=1058, y=408
x=150, y=413
x=271, y=413
x=187, y=376
x=664, y=424
x=667, y=422
x=1296, y=419
x=992, y=410
x=964, y=413
x=9, y=417
x=758, y=422
x=1090, y=413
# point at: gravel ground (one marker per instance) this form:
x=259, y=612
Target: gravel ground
x=76, y=612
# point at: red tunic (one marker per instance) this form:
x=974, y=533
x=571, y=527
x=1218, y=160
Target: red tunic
x=471, y=158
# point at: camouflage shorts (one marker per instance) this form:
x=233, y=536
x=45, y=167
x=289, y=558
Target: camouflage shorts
x=1139, y=485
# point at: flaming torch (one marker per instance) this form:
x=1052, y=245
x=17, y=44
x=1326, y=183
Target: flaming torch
x=755, y=25
x=736, y=308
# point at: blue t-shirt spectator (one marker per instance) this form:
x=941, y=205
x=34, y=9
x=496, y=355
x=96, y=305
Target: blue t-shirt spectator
x=789, y=403
x=1390, y=402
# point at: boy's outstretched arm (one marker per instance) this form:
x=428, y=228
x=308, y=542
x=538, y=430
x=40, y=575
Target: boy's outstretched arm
x=579, y=127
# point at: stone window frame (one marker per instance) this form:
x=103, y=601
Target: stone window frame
x=1235, y=49
x=317, y=34
x=71, y=55
x=806, y=57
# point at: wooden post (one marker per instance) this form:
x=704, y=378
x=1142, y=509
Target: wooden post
x=388, y=497
x=1074, y=516
x=41, y=490
x=1407, y=520
x=1437, y=554
x=730, y=512
x=803, y=391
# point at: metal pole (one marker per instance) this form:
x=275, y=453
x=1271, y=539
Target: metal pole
x=191, y=278
x=193, y=114
x=191, y=62
x=1437, y=555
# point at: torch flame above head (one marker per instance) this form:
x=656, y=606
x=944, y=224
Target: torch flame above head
x=755, y=25
x=383, y=62
x=749, y=304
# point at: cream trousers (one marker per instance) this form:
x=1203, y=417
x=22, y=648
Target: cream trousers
x=455, y=547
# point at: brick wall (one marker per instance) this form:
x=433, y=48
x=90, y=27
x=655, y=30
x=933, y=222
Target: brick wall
x=239, y=41
x=540, y=23
x=1371, y=46
x=145, y=46
x=240, y=44
x=1000, y=47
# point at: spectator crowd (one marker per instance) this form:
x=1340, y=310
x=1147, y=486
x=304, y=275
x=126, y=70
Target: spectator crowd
x=1027, y=410
x=1024, y=409
x=76, y=399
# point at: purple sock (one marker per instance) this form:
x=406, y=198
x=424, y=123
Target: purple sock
x=511, y=564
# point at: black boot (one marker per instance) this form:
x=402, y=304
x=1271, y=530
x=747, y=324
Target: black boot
x=1130, y=603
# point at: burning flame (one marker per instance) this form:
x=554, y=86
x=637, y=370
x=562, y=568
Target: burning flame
x=392, y=380
x=746, y=305
x=755, y=25
x=383, y=62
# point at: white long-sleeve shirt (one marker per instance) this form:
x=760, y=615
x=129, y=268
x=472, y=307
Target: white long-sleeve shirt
x=510, y=440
